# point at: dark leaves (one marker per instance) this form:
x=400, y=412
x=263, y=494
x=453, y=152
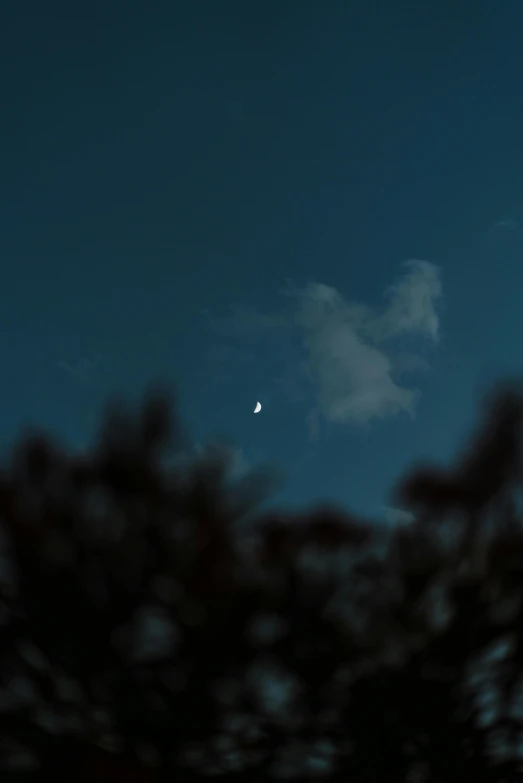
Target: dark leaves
x=303, y=645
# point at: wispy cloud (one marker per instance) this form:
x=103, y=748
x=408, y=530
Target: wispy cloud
x=412, y=304
x=83, y=370
x=505, y=233
x=350, y=354
x=313, y=424
x=507, y=225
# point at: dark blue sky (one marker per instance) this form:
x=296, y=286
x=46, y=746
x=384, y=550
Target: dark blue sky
x=222, y=194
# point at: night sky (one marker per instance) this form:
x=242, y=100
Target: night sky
x=317, y=205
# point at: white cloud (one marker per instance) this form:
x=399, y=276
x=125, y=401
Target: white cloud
x=350, y=353
x=412, y=305
x=351, y=370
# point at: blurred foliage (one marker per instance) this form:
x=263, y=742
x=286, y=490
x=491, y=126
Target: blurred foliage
x=156, y=622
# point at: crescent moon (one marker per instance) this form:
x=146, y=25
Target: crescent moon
x=257, y=408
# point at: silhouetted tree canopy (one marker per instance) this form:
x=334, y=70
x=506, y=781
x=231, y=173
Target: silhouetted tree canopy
x=157, y=623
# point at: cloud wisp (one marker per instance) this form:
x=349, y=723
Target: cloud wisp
x=412, y=304
x=83, y=370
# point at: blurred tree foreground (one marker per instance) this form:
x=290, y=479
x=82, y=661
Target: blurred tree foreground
x=156, y=624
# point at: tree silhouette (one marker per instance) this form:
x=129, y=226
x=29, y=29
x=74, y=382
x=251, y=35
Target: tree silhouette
x=158, y=622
